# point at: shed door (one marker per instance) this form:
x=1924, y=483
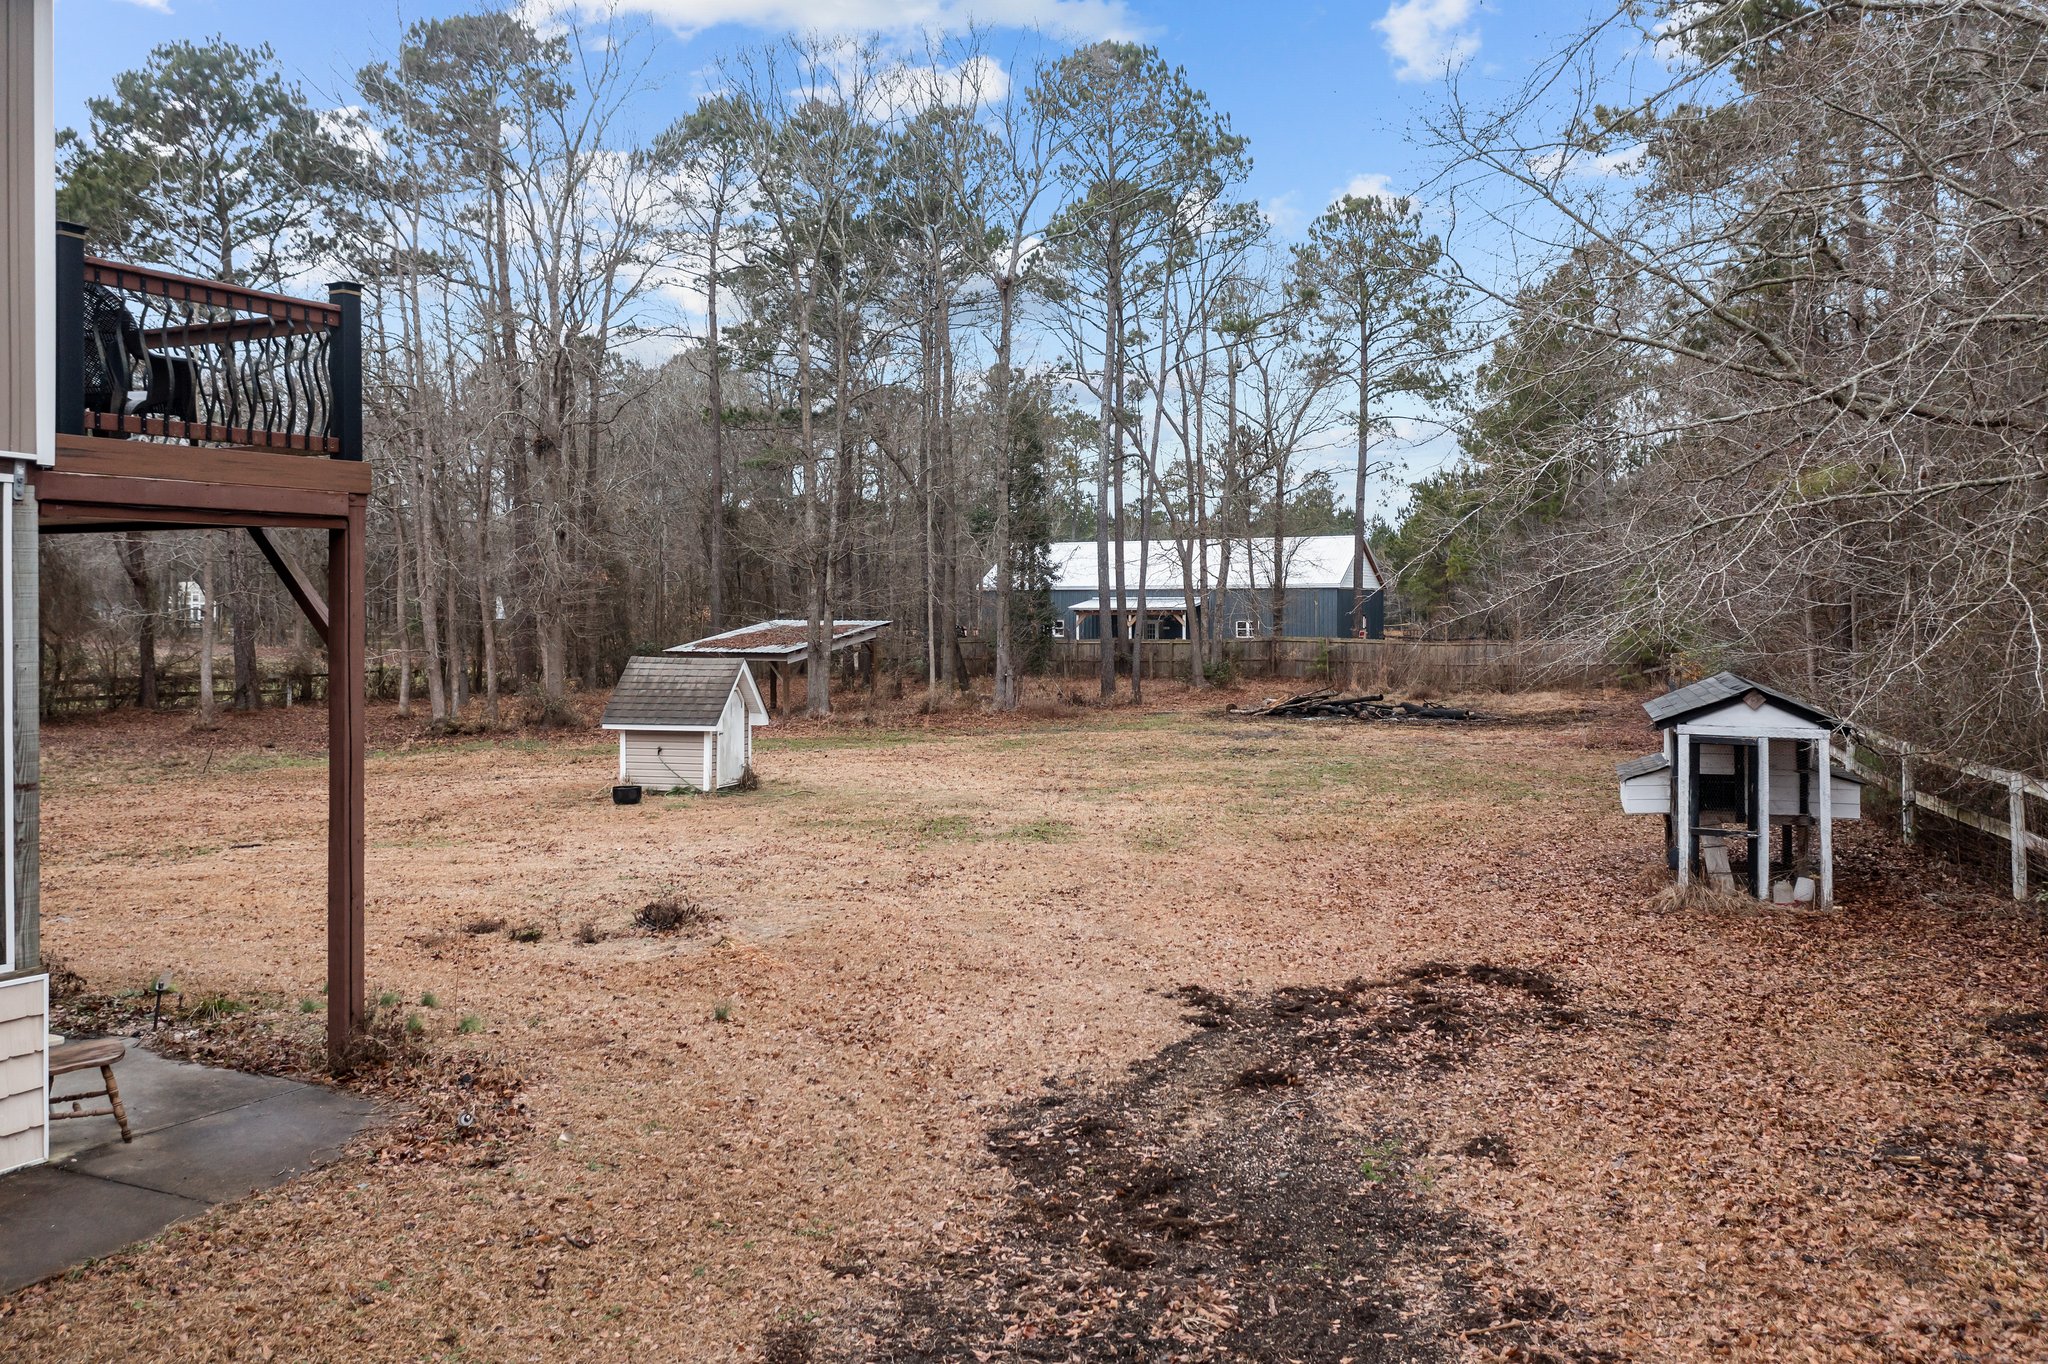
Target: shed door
x=732, y=740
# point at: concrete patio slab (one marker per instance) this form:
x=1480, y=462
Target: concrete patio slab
x=225, y=1156
x=52, y=1219
x=157, y=1093
x=203, y=1136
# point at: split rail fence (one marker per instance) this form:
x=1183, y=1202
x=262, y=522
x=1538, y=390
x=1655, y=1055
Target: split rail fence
x=1965, y=789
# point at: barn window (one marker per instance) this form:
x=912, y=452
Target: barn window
x=1059, y=627
x=1247, y=628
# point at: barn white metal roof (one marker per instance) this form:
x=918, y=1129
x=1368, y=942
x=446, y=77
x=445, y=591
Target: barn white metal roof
x=1154, y=601
x=1307, y=561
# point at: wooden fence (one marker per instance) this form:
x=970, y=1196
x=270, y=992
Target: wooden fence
x=1958, y=792
x=1367, y=664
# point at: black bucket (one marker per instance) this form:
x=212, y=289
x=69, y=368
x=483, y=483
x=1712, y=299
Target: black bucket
x=625, y=795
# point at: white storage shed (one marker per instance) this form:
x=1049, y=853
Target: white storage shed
x=685, y=721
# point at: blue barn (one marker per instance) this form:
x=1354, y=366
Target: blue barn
x=1315, y=578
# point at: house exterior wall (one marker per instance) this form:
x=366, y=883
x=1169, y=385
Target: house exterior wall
x=28, y=218
x=662, y=759
x=1312, y=612
x=24, y=1071
x=28, y=321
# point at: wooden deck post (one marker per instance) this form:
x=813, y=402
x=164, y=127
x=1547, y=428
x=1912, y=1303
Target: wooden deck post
x=345, y=735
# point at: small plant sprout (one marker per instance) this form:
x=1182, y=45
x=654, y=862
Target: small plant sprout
x=1376, y=1162
x=721, y=1012
x=470, y=1024
x=415, y=1026
x=309, y=1006
x=428, y=1000
x=387, y=999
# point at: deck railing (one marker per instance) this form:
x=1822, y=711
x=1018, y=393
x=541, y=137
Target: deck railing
x=144, y=353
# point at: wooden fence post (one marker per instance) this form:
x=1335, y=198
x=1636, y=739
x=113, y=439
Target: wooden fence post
x=1909, y=796
x=2016, y=818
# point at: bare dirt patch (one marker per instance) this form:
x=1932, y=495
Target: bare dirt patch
x=1213, y=1206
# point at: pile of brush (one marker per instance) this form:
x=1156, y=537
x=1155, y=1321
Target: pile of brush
x=1331, y=704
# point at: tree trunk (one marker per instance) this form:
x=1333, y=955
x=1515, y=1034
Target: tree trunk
x=713, y=366
x=248, y=685
x=1358, y=492
x=135, y=562
x=1005, y=681
x=1112, y=443
x=208, y=631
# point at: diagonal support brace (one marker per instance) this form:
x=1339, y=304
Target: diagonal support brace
x=295, y=582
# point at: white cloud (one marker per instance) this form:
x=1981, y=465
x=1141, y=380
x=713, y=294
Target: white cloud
x=1284, y=213
x=899, y=91
x=350, y=125
x=1071, y=19
x=160, y=6
x=1373, y=186
x=1563, y=162
x=1427, y=38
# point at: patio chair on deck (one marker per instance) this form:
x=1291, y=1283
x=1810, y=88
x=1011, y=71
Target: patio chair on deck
x=115, y=357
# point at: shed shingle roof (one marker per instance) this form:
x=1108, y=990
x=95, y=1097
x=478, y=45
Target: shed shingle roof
x=1712, y=691
x=688, y=691
x=1642, y=767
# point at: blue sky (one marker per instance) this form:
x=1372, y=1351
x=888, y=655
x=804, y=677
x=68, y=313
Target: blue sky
x=1327, y=93
x=1330, y=95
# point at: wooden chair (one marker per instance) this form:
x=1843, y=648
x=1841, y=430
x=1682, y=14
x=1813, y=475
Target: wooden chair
x=96, y=1054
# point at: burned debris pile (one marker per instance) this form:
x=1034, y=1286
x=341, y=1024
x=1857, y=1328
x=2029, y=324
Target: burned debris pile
x=1330, y=704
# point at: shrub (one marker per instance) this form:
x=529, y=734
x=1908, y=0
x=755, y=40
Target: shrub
x=479, y=927
x=587, y=933
x=671, y=914
x=525, y=933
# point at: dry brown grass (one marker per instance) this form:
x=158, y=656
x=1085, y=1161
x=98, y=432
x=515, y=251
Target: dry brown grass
x=919, y=918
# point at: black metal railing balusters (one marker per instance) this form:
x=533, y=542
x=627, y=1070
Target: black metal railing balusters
x=146, y=353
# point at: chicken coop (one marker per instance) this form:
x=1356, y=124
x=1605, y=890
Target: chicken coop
x=1748, y=787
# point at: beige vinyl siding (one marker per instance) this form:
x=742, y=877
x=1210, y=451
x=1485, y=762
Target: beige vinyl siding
x=26, y=230
x=24, y=1037
x=659, y=760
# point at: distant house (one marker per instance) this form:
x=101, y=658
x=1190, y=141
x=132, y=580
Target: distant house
x=685, y=722
x=188, y=602
x=1315, y=575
